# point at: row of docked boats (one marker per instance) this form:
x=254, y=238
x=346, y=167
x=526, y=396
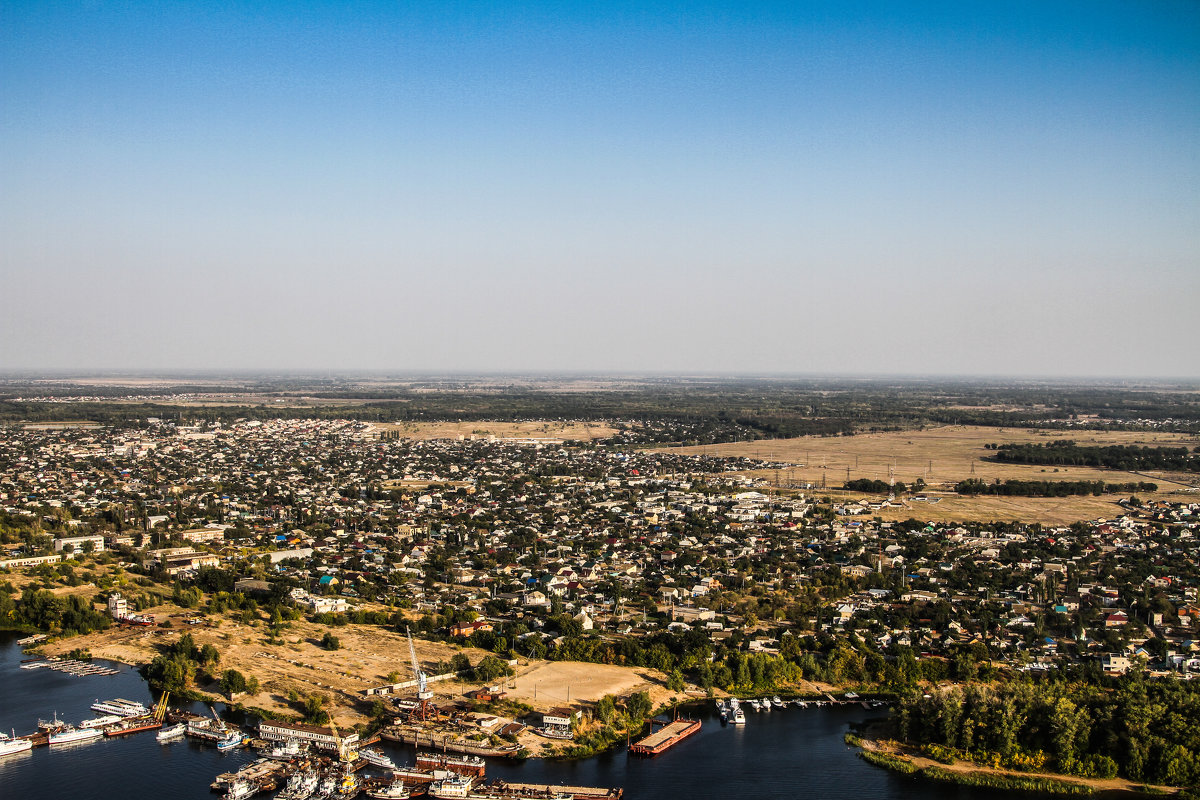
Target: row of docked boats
x=60, y=732
x=118, y=718
x=732, y=709
x=299, y=772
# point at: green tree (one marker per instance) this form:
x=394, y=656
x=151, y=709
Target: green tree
x=489, y=668
x=314, y=710
x=640, y=706
x=606, y=709
x=233, y=682
x=209, y=656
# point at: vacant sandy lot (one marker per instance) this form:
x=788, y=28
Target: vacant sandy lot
x=545, y=684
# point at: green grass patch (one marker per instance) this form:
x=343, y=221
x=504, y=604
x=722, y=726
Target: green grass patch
x=1011, y=783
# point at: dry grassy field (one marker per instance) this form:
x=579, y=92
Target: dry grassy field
x=544, y=684
x=945, y=455
x=366, y=656
x=942, y=455
x=577, y=431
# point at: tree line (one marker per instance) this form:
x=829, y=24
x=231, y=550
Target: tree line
x=43, y=610
x=1064, y=452
x=1139, y=729
x=1018, y=488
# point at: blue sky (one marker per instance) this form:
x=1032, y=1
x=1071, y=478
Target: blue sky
x=951, y=188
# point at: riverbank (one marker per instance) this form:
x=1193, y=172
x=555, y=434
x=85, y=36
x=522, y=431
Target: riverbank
x=905, y=760
x=788, y=754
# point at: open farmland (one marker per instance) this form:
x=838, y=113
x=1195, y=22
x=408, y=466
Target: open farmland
x=940, y=456
x=945, y=455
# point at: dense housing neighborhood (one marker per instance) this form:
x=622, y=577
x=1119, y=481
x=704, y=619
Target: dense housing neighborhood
x=548, y=548
x=543, y=586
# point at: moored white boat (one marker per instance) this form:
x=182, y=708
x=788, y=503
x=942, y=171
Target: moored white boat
x=100, y=722
x=120, y=707
x=286, y=750
x=11, y=744
x=170, y=732
x=72, y=734
x=391, y=791
x=376, y=759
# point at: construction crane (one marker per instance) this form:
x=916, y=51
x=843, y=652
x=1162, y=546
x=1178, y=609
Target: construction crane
x=423, y=693
x=220, y=722
x=160, y=709
x=344, y=753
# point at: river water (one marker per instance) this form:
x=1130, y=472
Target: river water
x=777, y=755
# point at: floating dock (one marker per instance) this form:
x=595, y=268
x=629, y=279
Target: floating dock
x=542, y=790
x=69, y=666
x=666, y=737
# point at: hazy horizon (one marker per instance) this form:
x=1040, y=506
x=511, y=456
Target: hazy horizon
x=890, y=189
x=167, y=377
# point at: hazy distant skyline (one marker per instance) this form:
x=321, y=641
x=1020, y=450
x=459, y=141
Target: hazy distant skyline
x=869, y=188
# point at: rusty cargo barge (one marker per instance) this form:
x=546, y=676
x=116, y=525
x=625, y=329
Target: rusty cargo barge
x=665, y=737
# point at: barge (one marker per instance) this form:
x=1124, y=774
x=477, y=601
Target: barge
x=665, y=738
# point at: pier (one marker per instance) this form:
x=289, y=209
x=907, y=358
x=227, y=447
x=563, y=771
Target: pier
x=69, y=666
x=665, y=738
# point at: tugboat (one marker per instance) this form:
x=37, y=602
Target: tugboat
x=230, y=741
x=300, y=786
x=241, y=789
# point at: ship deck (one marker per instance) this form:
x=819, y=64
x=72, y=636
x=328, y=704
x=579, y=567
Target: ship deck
x=547, y=790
